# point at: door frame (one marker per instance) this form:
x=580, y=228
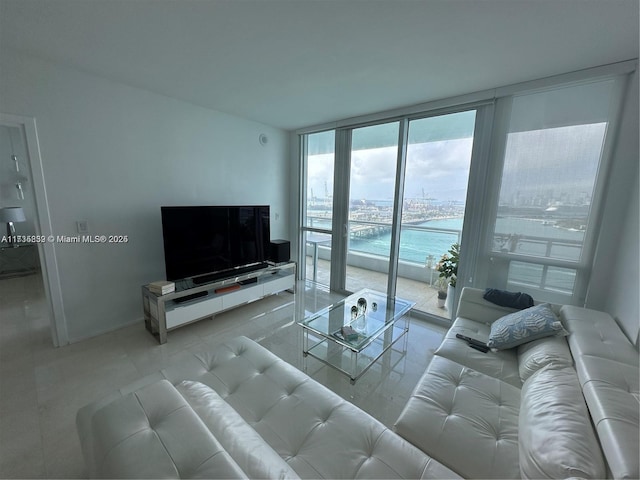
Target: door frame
x=341, y=194
x=46, y=250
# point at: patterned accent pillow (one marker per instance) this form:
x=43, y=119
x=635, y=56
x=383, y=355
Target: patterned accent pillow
x=524, y=326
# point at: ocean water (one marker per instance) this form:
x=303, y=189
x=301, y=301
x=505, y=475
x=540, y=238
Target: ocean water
x=415, y=245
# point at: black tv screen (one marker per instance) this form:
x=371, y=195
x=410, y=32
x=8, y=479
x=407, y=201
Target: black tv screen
x=218, y=240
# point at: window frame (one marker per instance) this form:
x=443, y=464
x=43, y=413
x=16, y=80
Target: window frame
x=485, y=174
x=494, y=168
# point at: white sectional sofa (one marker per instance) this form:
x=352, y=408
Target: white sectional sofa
x=238, y=411
x=241, y=412
x=521, y=412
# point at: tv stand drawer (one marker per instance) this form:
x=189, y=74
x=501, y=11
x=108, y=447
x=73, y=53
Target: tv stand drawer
x=238, y=297
x=188, y=312
x=278, y=284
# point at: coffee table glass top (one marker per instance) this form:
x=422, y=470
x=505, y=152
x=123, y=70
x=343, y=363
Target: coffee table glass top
x=369, y=319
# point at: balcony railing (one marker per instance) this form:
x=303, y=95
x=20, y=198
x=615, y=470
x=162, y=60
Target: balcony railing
x=538, y=262
x=540, y=247
x=530, y=261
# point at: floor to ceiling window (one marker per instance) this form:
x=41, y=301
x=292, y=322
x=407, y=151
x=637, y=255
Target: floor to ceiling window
x=542, y=233
x=430, y=198
x=517, y=180
x=317, y=214
x=374, y=157
x=435, y=192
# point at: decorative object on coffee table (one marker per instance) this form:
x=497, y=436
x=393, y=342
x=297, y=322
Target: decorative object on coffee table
x=362, y=306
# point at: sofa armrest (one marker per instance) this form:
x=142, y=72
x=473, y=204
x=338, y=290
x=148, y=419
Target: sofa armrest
x=608, y=367
x=153, y=433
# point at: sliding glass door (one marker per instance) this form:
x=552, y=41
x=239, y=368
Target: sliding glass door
x=374, y=157
x=435, y=192
x=384, y=202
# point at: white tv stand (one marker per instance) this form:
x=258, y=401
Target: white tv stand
x=163, y=313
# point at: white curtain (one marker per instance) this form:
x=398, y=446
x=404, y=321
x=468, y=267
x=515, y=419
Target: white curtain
x=543, y=189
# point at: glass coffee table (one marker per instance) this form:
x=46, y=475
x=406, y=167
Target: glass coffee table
x=376, y=321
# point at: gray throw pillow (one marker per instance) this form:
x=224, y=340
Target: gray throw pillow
x=524, y=326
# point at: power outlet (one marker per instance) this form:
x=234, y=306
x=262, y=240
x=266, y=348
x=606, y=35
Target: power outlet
x=82, y=226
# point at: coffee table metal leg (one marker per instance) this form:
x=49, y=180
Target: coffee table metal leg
x=354, y=365
x=305, y=348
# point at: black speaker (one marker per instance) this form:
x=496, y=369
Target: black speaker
x=280, y=251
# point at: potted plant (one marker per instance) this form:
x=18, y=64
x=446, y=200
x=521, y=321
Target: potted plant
x=448, y=268
x=448, y=265
x=441, y=285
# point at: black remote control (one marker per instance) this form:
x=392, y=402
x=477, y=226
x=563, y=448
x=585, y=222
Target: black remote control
x=471, y=341
x=480, y=348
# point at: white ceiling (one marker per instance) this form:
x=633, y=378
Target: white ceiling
x=295, y=63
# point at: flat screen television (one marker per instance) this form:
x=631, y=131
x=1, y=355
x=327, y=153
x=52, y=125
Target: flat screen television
x=207, y=243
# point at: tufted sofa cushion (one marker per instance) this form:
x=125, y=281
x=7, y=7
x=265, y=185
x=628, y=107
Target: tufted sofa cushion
x=597, y=334
x=153, y=433
x=502, y=364
x=465, y=419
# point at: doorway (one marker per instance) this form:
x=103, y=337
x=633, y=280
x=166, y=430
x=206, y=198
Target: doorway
x=27, y=251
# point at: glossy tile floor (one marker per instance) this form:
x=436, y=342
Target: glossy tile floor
x=42, y=387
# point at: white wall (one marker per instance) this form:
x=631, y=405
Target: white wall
x=615, y=280
x=112, y=155
x=622, y=300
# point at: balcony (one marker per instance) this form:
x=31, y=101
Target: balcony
x=425, y=295
x=546, y=266
x=367, y=261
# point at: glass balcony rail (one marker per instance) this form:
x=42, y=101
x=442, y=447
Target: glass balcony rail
x=319, y=219
x=421, y=247
x=541, y=277
x=541, y=247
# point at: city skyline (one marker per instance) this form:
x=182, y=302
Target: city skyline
x=542, y=167
x=436, y=170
